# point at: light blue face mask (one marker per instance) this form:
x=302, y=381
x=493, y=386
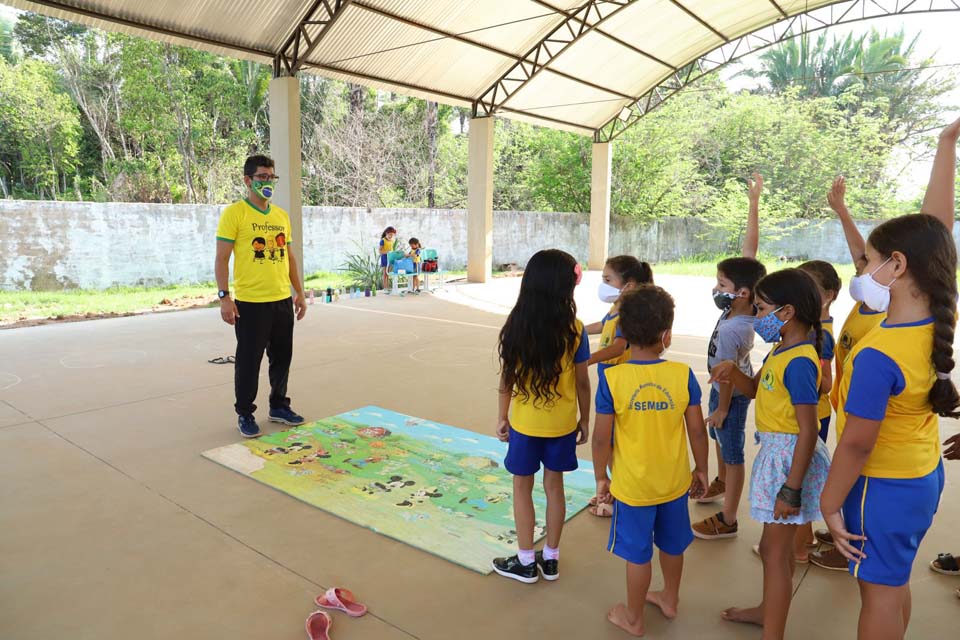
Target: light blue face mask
x=768, y=327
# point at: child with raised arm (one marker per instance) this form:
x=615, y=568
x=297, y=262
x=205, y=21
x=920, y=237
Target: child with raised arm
x=861, y=320
x=649, y=407
x=888, y=476
x=792, y=465
x=544, y=385
x=732, y=339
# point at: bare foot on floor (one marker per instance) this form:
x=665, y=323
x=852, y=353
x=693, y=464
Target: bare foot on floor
x=669, y=609
x=753, y=615
x=620, y=617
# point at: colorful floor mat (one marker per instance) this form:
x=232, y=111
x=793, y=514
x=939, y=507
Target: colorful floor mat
x=435, y=487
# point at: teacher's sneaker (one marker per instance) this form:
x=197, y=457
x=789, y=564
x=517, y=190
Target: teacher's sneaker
x=549, y=569
x=512, y=568
x=285, y=415
x=248, y=426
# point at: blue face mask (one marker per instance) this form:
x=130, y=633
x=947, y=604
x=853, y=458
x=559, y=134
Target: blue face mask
x=768, y=327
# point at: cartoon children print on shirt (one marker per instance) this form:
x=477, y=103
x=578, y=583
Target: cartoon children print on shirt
x=272, y=249
x=259, y=244
x=281, y=244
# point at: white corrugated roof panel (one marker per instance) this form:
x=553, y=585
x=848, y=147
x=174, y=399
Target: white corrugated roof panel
x=604, y=62
x=454, y=51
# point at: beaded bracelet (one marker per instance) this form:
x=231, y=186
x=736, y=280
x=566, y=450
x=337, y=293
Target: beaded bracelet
x=790, y=496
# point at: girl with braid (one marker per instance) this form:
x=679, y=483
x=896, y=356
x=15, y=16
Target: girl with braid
x=887, y=474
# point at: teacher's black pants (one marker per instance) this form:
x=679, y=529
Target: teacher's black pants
x=263, y=326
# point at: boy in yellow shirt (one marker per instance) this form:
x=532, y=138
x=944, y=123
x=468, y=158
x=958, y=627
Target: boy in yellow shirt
x=651, y=407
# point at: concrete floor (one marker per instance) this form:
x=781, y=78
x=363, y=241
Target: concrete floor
x=114, y=527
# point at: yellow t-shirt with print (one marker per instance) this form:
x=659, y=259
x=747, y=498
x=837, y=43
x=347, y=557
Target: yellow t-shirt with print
x=858, y=324
x=261, y=267
x=387, y=245
x=611, y=331
x=648, y=401
x=775, y=410
x=908, y=443
x=533, y=417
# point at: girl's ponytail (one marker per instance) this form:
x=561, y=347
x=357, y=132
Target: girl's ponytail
x=943, y=394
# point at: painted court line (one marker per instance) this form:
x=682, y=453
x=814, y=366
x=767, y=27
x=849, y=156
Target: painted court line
x=420, y=318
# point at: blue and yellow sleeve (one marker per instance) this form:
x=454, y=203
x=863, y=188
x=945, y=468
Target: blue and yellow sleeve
x=604, y=399
x=696, y=395
x=800, y=379
x=583, y=349
x=875, y=378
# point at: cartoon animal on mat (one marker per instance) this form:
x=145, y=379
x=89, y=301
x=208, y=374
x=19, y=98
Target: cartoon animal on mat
x=395, y=482
x=360, y=464
x=313, y=457
x=293, y=448
x=420, y=497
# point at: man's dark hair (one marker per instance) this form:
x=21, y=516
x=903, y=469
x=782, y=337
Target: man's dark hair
x=745, y=273
x=645, y=314
x=250, y=166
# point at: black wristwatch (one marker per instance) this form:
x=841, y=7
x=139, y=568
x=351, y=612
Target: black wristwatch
x=223, y=294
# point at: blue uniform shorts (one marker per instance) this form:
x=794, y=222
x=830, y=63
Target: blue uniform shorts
x=894, y=515
x=634, y=530
x=526, y=453
x=732, y=436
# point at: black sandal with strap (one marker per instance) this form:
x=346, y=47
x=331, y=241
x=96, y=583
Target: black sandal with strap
x=945, y=564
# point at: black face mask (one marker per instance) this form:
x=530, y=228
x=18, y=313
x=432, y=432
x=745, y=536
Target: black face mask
x=723, y=300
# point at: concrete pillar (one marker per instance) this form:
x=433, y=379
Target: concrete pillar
x=480, y=201
x=600, y=205
x=285, y=151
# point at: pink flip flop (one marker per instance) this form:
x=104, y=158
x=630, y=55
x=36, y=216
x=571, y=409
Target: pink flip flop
x=341, y=600
x=318, y=625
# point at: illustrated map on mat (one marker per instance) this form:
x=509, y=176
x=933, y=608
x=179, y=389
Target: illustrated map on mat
x=435, y=487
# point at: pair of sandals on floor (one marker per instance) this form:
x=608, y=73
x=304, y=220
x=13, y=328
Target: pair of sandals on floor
x=319, y=622
x=947, y=565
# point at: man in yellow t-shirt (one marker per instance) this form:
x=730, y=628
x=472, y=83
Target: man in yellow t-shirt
x=257, y=234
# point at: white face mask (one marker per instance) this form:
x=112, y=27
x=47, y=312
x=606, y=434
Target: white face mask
x=608, y=293
x=870, y=292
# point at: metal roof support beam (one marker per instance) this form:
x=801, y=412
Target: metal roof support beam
x=299, y=45
x=702, y=22
x=774, y=34
x=577, y=23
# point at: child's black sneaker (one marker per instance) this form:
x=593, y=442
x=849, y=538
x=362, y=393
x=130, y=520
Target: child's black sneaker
x=549, y=569
x=512, y=568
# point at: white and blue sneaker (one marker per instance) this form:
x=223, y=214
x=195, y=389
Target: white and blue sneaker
x=248, y=426
x=286, y=415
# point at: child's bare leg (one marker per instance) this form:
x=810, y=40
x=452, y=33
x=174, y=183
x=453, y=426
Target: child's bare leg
x=556, y=506
x=416, y=283
x=803, y=538
x=882, y=611
x=629, y=616
x=386, y=279
x=776, y=550
x=778, y=563
x=523, y=514
x=669, y=598
x=721, y=466
x=734, y=489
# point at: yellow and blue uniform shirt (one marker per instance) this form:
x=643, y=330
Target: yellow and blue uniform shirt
x=533, y=417
x=887, y=378
x=648, y=400
x=789, y=376
x=261, y=267
x=858, y=324
x=824, y=408
x=387, y=245
x=608, y=335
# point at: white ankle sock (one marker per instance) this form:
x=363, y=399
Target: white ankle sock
x=551, y=554
x=527, y=556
